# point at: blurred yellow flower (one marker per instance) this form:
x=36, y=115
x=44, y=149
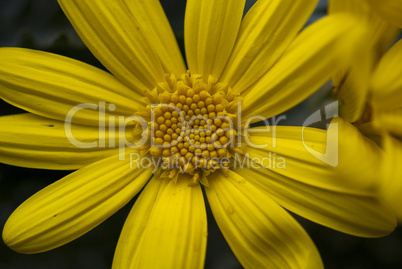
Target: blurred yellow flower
x=371, y=90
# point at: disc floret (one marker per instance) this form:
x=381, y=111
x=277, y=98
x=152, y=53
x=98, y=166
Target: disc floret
x=193, y=126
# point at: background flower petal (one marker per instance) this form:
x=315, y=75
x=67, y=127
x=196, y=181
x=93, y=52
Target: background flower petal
x=260, y=233
x=73, y=205
x=305, y=66
x=382, y=34
x=391, y=10
x=386, y=81
x=176, y=232
x=210, y=31
x=50, y=85
x=392, y=174
x=31, y=141
x=389, y=121
x=114, y=36
x=351, y=82
x=344, y=197
x=265, y=32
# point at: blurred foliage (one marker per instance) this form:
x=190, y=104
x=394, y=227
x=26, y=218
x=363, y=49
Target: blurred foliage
x=40, y=24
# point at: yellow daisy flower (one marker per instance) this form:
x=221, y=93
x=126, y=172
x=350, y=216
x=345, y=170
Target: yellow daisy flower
x=372, y=91
x=150, y=108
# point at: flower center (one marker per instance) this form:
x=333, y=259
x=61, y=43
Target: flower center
x=193, y=126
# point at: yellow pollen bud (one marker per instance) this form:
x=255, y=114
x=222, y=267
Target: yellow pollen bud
x=160, y=120
x=158, y=141
x=213, y=154
x=222, y=152
x=167, y=138
x=219, y=108
x=166, y=153
x=223, y=140
x=182, y=99
x=217, y=98
x=193, y=106
x=190, y=92
x=170, y=131
x=205, y=154
x=155, y=152
x=208, y=101
x=183, y=151
x=203, y=95
x=163, y=127
x=175, y=98
x=196, y=98
x=159, y=133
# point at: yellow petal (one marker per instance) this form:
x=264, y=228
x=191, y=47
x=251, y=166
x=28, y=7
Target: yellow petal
x=342, y=197
x=391, y=10
x=176, y=232
x=322, y=156
x=117, y=39
x=73, y=205
x=151, y=18
x=260, y=233
x=305, y=66
x=52, y=86
x=210, y=31
x=265, y=32
x=31, y=141
x=392, y=174
x=136, y=223
x=386, y=81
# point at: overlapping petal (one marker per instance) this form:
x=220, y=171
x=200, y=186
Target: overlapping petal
x=73, y=205
x=260, y=233
x=389, y=121
x=266, y=31
x=210, y=31
x=392, y=174
x=54, y=86
x=176, y=233
x=297, y=168
x=381, y=33
x=31, y=141
x=351, y=84
x=305, y=66
x=386, y=81
x=118, y=40
x=391, y=10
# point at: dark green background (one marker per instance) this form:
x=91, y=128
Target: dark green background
x=40, y=24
